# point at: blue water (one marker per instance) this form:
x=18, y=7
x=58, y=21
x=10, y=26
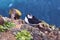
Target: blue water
x=47, y=10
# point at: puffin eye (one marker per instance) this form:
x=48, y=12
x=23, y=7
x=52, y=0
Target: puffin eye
x=50, y=27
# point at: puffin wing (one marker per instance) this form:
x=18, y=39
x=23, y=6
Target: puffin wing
x=36, y=20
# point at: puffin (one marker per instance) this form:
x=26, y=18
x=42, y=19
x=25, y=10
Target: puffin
x=30, y=19
x=33, y=21
x=14, y=14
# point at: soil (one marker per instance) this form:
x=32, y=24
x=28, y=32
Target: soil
x=7, y=36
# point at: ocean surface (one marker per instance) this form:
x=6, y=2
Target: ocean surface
x=47, y=10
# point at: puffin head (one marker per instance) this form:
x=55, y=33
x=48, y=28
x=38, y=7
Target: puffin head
x=15, y=13
x=29, y=16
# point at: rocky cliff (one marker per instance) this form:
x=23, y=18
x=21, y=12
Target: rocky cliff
x=41, y=31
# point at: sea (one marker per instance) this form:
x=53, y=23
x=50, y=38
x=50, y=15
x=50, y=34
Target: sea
x=47, y=10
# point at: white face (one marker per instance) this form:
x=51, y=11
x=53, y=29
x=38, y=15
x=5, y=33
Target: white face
x=29, y=16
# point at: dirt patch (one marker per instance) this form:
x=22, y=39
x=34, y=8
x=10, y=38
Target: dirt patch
x=7, y=36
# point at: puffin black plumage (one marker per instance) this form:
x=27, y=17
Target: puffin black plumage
x=29, y=19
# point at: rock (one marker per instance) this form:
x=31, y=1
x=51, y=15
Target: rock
x=1, y=21
x=43, y=32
